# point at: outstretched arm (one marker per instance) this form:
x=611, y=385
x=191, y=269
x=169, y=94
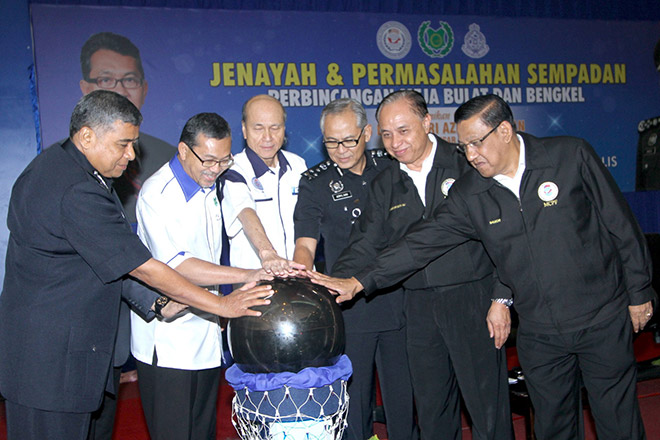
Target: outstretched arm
x=172, y=284
x=256, y=234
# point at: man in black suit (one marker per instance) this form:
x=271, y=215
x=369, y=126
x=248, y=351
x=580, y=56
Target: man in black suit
x=112, y=62
x=70, y=250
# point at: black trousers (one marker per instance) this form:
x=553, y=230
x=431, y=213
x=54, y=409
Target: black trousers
x=603, y=356
x=179, y=404
x=103, y=419
x=387, y=350
x=449, y=347
x=25, y=423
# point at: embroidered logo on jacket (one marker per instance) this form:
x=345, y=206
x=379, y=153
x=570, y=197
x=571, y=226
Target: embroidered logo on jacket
x=548, y=192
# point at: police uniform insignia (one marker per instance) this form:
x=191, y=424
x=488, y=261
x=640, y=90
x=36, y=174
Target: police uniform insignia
x=342, y=196
x=338, y=193
x=336, y=186
x=257, y=184
x=548, y=191
x=446, y=185
x=356, y=212
x=320, y=168
x=474, y=43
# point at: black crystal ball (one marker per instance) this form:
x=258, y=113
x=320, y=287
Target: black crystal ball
x=301, y=327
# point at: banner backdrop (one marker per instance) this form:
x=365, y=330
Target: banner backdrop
x=593, y=79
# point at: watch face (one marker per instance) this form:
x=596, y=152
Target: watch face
x=163, y=300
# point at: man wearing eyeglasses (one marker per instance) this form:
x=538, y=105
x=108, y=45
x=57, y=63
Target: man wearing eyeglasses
x=112, y=62
x=563, y=238
x=457, y=316
x=261, y=190
x=332, y=197
x=179, y=220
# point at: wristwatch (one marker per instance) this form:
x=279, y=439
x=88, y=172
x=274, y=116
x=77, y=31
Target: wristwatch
x=506, y=301
x=160, y=302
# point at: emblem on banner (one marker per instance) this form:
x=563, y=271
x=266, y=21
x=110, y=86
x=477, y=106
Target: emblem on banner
x=393, y=40
x=474, y=43
x=436, y=43
x=446, y=185
x=257, y=184
x=336, y=186
x=548, y=191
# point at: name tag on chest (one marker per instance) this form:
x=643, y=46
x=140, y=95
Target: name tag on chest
x=342, y=196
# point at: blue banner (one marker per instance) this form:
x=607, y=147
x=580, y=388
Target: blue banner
x=593, y=79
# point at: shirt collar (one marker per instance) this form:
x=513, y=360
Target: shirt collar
x=259, y=166
x=521, y=165
x=84, y=163
x=187, y=184
x=428, y=162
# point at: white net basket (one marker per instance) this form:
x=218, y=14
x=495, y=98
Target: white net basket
x=291, y=413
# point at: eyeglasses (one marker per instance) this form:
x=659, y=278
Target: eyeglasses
x=475, y=143
x=208, y=163
x=106, y=82
x=347, y=143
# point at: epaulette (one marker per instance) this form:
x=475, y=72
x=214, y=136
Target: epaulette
x=320, y=168
x=648, y=123
x=378, y=153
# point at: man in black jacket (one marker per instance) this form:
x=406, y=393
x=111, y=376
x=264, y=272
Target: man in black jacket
x=561, y=235
x=331, y=198
x=447, y=302
x=70, y=250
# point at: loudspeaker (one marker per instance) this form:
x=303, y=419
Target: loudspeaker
x=648, y=155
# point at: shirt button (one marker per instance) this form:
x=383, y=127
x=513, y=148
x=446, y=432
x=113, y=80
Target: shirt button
x=94, y=348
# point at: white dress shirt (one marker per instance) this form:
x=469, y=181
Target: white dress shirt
x=272, y=193
x=177, y=220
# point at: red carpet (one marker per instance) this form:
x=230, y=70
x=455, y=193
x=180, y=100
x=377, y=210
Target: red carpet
x=130, y=423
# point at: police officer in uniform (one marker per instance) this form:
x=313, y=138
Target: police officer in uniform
x=648, y=148
x=332, y=196
x=456, y=308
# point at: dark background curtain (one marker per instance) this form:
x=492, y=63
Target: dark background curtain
x=581, y=9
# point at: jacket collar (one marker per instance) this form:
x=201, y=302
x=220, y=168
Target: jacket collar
x=259, y=166
x=536, y=157
x=82, y=161
x=444, y=158
x=187, y=184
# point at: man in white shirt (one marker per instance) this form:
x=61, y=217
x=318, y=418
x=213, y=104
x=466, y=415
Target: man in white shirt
x=261, y=190
x=180, y=221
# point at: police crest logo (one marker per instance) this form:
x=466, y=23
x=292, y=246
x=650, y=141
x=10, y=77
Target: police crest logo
x=436, y=43
x=336, y=186
x=393, y=40
x=474, y=43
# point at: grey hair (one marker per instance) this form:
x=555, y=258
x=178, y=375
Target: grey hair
x=100, y=109
x=343, y=104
